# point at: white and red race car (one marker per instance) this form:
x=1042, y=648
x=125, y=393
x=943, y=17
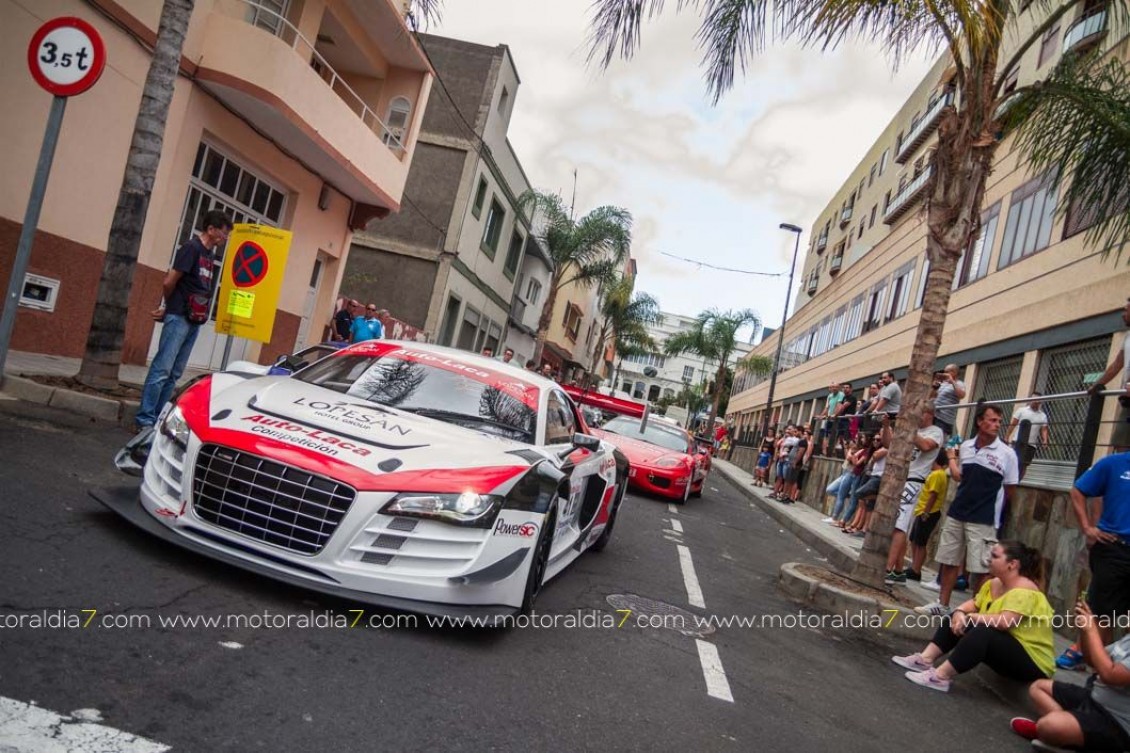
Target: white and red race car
x=392, y=473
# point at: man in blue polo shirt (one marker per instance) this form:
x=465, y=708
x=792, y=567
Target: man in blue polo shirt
x=367, y=327
x=1108, y=537
x=983, y=467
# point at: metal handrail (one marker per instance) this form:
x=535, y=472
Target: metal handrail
x=1083, y=28
x=927, y=121
x=367, y=115
x=907, y=192
x=1041, y=398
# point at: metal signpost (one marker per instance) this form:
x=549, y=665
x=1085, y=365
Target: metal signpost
x=66, y=57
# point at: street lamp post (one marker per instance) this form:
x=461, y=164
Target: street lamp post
x=781, y=331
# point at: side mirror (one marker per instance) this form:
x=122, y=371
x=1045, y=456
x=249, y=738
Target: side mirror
x=586, y=442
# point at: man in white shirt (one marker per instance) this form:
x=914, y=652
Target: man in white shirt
x=926, y=444
x=1038, y=432
x=1120, y=438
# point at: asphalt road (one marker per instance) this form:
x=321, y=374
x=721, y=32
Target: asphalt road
x=629, y=687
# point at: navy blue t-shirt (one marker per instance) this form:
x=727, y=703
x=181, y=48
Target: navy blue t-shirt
x=984, y=470
x=194, y=260
x=1110, y=479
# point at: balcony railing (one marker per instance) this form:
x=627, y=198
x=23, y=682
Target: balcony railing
x=289, y=34
x=822, y=242
x=906, y=197
x=922, y=129
x=813, y=282
x=1085, y=31
x=835, y=263
x=517, y=310
x=845, y=215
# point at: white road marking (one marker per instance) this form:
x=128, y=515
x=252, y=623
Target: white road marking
x=231, y=645
x=690, y=580
x=671, y=507
x=29, y=729
x=676, y=525
x=717, y=686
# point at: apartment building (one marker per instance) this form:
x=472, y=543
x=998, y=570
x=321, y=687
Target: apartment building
x=301, y=115
x=1033, y=306
x=449, y=262
x=573, y=345
x=672, y=373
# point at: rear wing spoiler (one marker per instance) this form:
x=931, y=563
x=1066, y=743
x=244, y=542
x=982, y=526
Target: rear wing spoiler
x=608, y=403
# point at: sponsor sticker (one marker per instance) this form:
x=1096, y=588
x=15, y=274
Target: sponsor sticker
x=526, y=530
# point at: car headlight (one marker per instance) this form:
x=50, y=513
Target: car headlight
x=175, y=427
x=466, y=509
x=669, y=462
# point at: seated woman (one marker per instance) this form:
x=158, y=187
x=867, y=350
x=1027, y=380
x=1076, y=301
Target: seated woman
x=1008, y=626
x=866, y=490
x=1095, y=717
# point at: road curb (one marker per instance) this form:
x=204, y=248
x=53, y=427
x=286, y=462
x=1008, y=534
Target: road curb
x=895, y=619
x=120, y=412
x=840, y=557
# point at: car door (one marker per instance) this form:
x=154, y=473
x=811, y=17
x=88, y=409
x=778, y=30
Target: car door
x=578, y=505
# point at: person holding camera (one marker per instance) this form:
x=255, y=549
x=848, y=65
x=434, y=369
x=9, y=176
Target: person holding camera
x=950, y=391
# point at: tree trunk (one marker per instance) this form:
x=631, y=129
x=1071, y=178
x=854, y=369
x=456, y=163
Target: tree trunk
x=103, y=355
x=955, y=192
x=546, y=317
x=719, y=379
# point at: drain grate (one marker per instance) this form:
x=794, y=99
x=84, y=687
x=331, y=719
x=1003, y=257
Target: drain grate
x=649, y=613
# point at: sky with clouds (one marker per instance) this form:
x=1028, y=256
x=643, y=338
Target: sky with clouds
x=702, y=181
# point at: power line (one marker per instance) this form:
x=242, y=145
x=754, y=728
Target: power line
x=724, y=269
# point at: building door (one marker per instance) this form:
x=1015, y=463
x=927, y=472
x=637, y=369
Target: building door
x=218, y=182
x=308, y=306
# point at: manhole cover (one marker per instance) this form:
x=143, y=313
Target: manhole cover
x=649, y=613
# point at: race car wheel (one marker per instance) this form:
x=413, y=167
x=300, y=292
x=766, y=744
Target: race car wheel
x=686, y=493
x=606, y=535
x=540, y=562
x=697, y=491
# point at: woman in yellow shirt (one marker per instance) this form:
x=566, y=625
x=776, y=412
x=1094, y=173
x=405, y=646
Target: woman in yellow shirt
x=1008, y=626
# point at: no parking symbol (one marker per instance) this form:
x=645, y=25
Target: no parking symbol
x=252, y=280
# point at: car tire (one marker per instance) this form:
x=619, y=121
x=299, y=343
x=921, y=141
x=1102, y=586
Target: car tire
x=536, y=576
x=686, y=493
x=606, y=535
x=697, y=492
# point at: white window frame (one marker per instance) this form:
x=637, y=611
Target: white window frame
x=50, y=284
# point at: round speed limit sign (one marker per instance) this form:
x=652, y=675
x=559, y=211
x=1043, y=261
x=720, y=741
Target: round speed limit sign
x=66, y=56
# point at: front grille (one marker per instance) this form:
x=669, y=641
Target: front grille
x=268, y=501
x=660, y=481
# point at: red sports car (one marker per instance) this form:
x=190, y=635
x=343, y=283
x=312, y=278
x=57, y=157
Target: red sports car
x=662, y=458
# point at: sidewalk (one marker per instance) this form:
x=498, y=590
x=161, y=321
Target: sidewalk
x=843, y=550
x=20, y=365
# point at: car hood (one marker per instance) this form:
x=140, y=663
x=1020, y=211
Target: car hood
x=637, y=451
x=320, y=429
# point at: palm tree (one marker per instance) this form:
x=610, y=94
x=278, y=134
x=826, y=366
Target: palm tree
x=625, y=317
x=714, y=336
x=103, y=355
x=585, y=252
x=1081, y=93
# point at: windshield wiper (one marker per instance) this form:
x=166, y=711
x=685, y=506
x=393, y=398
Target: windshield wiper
x=457, y=416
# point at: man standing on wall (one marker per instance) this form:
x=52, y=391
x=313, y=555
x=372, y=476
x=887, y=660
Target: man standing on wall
x=187, y=303
x=1120, y=439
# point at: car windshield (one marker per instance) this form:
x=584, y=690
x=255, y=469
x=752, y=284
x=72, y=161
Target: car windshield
x=667, y=438
x=435, y=386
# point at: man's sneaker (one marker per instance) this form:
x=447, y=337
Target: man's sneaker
x=932, y=586
x=934, y=609
x=1024, y=727
x=1071, y=659
x=895, y=576
x=912, y=575
x=929, y=679
x=914, y=662
x=962, y=583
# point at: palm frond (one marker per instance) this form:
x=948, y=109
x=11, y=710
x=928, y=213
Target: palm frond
x=730, y=33
x=425, y=13
x=1077, y=122
x=616, y=26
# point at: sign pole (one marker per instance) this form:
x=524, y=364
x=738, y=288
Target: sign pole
x=31, y=221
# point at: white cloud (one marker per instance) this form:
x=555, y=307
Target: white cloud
x=704, y=182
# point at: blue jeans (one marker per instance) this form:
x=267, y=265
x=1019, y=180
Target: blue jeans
x=173, y=349
x=865, y=486
x=847, y=485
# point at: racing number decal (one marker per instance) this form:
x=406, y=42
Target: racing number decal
x=567, y=517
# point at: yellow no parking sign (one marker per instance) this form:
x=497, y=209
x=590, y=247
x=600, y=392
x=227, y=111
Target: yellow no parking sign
x=251, y=280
